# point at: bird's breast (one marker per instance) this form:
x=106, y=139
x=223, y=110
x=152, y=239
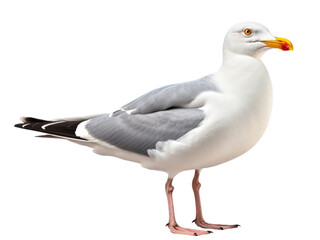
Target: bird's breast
x=238, y=119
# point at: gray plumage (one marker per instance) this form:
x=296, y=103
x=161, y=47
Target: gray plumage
x=154, y=117
x=140, y=132
x=174, y=95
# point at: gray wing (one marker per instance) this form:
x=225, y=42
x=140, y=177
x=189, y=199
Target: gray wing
x=154, y=117
x=170, y=96
x=140, y=132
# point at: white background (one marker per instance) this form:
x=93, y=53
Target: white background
x=68, y=58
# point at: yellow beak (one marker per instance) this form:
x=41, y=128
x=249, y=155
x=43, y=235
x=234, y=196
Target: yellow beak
x=281, y=43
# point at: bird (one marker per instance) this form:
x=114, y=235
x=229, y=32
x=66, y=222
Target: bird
x=187, y=125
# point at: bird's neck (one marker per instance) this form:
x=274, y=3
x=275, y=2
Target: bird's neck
x=233, y=62
x=242, y=73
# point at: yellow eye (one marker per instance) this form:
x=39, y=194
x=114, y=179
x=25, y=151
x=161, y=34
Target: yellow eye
x=247, y=31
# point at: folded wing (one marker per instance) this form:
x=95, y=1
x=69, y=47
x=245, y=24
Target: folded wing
x=176, y=95
x=139, y=132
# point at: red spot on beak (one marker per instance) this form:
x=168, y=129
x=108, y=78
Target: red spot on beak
x=285, y=46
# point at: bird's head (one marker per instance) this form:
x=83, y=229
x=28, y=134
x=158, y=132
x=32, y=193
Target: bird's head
x=253, y=39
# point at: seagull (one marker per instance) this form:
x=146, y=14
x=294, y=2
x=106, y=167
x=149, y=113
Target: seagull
x=190, y=125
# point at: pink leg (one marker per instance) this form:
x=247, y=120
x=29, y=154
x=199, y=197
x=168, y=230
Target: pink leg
x=199, y=218
x=173, y=226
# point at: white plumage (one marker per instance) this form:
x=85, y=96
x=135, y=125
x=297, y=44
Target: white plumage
x=192, y=125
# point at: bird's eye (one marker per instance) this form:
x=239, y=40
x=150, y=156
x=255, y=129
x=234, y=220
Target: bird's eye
x=247, y=31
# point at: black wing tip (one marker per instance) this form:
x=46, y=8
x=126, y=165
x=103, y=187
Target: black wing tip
x=62, y=129
x=29, y=120
x=19, y=125
x=32, y=120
